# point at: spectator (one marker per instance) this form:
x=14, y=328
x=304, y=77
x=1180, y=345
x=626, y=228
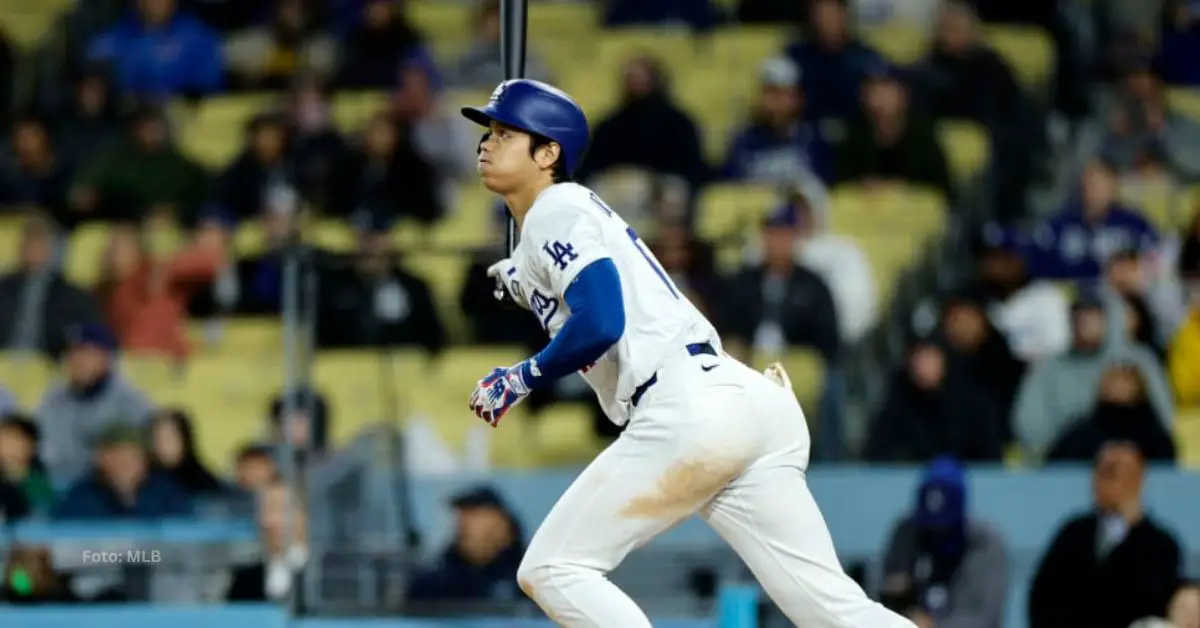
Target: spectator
x=1033, y=315
x=1112, y=566
x=689, y=262
x=263, y=164
x=440, y=134
x=979, y=351
x=255, y=468
x=121, y=485
x=1184, y=360
x=479, y=67
x=145, y=293
x=962, y=78
x=92, y=398
x=1061, y=389
x=1077, y=243
x=1155, y=297
x=1121, y=413
x=386, y=178
x=36, y=178
x=778, y=145
x=37, y=305
x=481, y=563
x=833, y=62
x=315, y=143
x=377, y=303
x=1140, y=326
x=283, y=528
x=778, y=302
x=20, y=467
x=158, y=51
x=379, y=46
x=173, y=453
x=700, y=15
x=1144, y=135
x=838, y=260
x=930, y=410
x=647, y=130
x=30, y=578
x=271, y=56
x=260, y=277
x=90, y=125
x=300, y=419
x=1180, y=46
x=145, y=174
x=941, y=566
x=887, y=142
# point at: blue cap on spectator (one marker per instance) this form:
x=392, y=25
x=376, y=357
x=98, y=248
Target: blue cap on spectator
x=478, y=497
x=92, y=334
x=942, y=497
x=785, y=215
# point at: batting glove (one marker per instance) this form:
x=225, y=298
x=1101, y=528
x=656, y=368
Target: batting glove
x=497, y=393
x=505, y=274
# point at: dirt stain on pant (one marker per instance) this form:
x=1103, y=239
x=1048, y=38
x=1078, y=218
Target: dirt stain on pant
x=684, y=488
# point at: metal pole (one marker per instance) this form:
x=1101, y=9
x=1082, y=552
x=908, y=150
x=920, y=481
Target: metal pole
x=290, y=314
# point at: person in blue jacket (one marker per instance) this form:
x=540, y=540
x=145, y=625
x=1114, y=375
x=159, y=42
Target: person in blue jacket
x=121, y=484
x=1076, y=243
x=158, y=51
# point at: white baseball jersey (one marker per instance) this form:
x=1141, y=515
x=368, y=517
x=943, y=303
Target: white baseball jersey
x=567, y=229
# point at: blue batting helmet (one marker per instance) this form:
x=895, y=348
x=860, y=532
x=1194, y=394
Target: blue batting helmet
x=538, y=109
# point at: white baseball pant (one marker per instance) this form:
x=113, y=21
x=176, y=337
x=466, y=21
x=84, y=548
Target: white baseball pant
x=728, y=444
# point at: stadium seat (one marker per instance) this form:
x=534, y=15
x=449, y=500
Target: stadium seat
x=446, y=24
x=900, y=43
x=240, y=336
x=10, y=242
x=26, y=376
x=1186, y=101
x=909, y=212
x=1187, y=437
x=213, y=133
x=84, y=252
x=731, y=210
x=26, y=24
x=1028, y=51
x=445, y=273
x=564, y=437
x=806, y=369
x=472, y=221
x=440, y=390
x=331, y=235
x=1167, y=205
x=352, y=110
x=229, y=397
x=967, y=147
x=353, y=383
x=889, y=255
x=159, y=377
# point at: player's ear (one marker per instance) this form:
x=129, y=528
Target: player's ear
x=547, y=155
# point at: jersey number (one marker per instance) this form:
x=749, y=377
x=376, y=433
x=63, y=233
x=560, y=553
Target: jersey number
x=637, y=243
x=562, y=254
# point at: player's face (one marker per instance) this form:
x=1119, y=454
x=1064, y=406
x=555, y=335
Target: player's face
x=506, y=163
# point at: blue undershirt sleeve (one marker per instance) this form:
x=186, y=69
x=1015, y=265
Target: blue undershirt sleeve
x=597, y=322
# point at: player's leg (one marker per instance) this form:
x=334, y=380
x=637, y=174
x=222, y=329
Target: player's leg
x=669, y=463
x=770, y=519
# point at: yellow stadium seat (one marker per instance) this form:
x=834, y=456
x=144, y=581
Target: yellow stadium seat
x=717, y=106
x=902, y=212
x=10, y=241
x=901, y=43
x=889, y=255
x=564, y=21
x=213, y=134
x=967, y=147
x=445, y=274
x=27, y=28
x=565, y=436
x=249, y=239
x=158, y=376
x=84, y=253
x=472, y=222
x=731, y=209
x=239, y=336
x=1187, y=436
x=26, y=376
x=332, y=235
x=596, y=86
x=353, y=383
x=446, y=383
x=229, y=398
x=1170, y=207
x=1186, y=101
x=1028, y=51
x=352, y=110
x=806, y=369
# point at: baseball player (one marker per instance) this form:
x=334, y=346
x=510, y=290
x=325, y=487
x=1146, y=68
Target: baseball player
x=704, y=433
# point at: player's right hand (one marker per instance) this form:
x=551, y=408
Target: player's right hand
x=505, y=274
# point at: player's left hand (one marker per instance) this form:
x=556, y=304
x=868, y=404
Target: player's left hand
x=497, y=393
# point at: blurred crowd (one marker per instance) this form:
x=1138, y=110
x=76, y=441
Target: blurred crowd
x=1069, y=335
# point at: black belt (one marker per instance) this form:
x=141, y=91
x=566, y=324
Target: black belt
x=694, y=349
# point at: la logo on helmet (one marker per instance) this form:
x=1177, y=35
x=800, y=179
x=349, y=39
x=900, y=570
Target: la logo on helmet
x=500, y=89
